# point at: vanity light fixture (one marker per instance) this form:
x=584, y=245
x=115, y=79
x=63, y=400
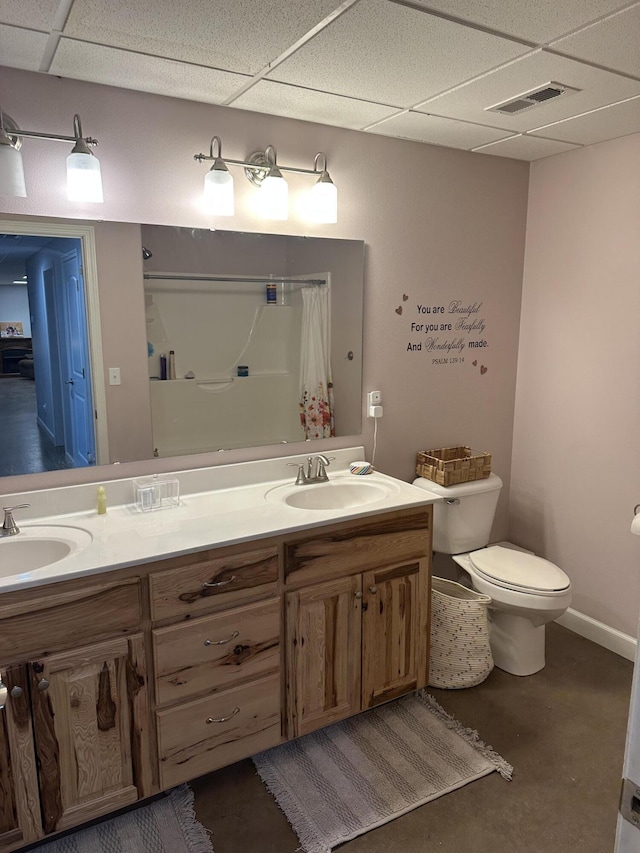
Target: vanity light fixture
x=84, y=181
x=263, y=170
x=218, y=184
x=324, y=195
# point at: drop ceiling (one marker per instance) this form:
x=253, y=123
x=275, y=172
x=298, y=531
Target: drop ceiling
x=426, y=70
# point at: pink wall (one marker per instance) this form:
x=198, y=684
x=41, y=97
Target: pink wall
x=576, y=456
x=440, y=226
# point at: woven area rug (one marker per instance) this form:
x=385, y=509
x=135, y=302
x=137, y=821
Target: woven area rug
x=167, y=825
x=340, y=782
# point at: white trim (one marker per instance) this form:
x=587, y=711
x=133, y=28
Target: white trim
x=86, y=235
x=598, y=632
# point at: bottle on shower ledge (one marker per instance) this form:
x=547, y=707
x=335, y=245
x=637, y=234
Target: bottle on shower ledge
x=172, y=365
x=163, y=366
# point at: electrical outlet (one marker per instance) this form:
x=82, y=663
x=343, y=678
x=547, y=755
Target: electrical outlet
x=374, y=404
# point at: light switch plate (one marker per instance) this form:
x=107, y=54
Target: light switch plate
x=114, y=376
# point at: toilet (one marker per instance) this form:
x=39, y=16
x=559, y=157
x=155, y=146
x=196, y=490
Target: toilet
x=526, y=591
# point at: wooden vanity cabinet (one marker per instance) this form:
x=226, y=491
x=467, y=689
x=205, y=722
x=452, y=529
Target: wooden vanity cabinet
x=244, y=647
x=360, y=639
x=74, y=729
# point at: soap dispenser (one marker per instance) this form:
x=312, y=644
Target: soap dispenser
x=102, y=500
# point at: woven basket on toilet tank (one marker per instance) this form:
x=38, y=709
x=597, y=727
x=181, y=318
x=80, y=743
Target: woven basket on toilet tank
x=460, y=655
x=449, y=466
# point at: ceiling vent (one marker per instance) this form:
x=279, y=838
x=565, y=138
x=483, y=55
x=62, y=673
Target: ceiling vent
x=532, y=99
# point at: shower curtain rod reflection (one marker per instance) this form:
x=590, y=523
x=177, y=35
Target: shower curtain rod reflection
x=239, y=279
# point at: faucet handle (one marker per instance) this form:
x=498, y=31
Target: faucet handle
x=301, y=479
x=9, y=527
x=323, y=461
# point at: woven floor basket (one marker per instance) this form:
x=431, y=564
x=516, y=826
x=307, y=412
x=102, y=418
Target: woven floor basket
x=460, y=655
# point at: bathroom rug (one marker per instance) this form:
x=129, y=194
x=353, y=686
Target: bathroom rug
x=342, y=781
x=167, y=825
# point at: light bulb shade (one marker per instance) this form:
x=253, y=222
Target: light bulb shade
x=274, y=197
x=218, y=192
x=84, y=181
x=11, y=172
x=323, y=201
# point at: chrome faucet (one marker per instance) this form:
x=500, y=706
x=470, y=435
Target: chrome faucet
x=321, y=461
x=315, y=469
x=9, y=527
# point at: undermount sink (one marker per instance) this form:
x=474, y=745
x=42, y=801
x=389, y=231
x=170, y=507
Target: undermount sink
x=334, y=495
x=39, y=546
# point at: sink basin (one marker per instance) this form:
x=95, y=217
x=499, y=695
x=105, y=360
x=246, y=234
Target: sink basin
x=334, y=495
x=39, y=546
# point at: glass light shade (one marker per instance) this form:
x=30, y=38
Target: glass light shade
x=274, y=197
x=218, y=192
x=84, y=181
x=323, y=202
x=11, y=172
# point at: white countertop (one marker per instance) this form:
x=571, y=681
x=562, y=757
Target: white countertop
x=222, y=515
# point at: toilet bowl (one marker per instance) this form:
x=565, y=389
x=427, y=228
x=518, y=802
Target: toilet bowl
x=526, y=591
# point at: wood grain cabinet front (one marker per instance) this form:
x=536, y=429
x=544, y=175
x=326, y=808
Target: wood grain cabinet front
x=206, y=582
x=200, y=736
x=20, y=819
x=212, y=653
x=361, y=639
x=74, y=739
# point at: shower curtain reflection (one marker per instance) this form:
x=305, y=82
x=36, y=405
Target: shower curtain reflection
x=316, y=385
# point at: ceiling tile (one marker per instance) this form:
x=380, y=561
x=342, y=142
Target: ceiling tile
x=309, y=105
x=113, y=67
x=391, y=54
x=614, y=43
x=241, y=36
x=606, y=123
x=22, y=48
x=598, y=87
x=438, y=131
x=526, y=148
x=37, y=14
x=537, y=22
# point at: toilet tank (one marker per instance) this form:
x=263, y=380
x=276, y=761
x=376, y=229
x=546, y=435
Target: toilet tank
x=462, y=520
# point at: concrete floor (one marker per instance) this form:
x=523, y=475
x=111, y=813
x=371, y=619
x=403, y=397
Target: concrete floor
x=563, y=730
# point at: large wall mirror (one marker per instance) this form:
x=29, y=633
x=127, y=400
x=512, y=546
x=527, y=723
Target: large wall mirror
x=218, y=340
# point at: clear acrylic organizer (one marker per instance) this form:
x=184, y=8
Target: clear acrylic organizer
x=152, y=493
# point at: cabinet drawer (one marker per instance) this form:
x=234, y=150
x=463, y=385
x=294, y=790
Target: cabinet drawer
x=209, y=584
x=216, y=652
x=354, y=546
x=200, y=736
x=64, y=616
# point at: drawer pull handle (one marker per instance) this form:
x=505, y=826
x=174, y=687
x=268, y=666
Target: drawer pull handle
x=219, y=583
x=223, y=719
x=222, y=642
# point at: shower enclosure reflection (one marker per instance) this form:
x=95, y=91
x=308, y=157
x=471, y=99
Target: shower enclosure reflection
x=241, y=344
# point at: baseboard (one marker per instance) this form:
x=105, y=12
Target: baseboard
x=598, y=632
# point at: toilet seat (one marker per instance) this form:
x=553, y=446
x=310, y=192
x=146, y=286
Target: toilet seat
x=518, y=571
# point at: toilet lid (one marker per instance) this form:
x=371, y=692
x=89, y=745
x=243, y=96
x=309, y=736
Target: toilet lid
x=518, y=570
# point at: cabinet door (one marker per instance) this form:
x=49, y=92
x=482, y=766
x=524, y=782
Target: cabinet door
x=323, y=654
x=91, y=730
x=394, y=631
x=20, y=822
